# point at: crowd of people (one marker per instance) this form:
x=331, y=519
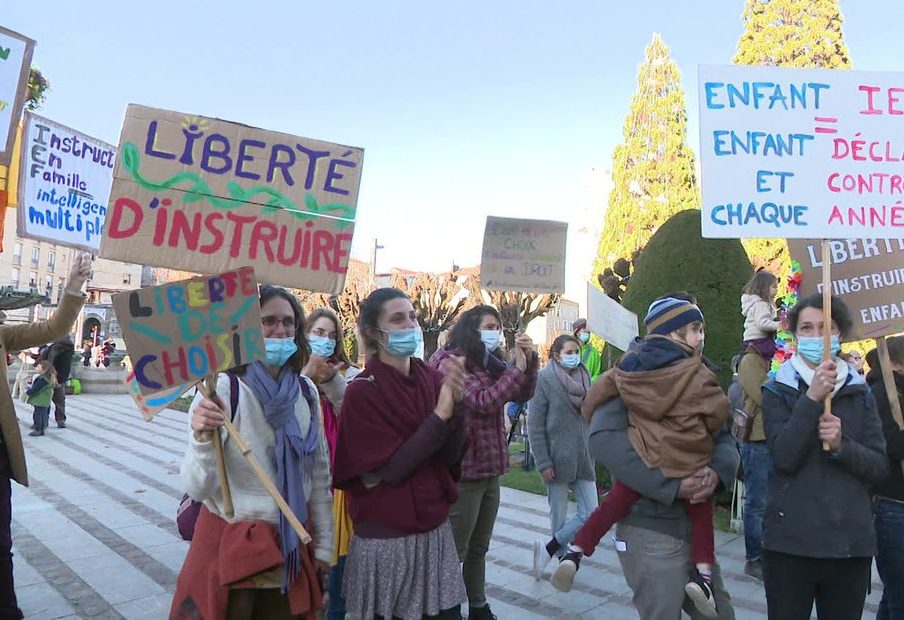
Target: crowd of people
x=394, y=468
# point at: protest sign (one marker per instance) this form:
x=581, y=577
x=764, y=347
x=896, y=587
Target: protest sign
x=523, y=255
x=609, y=320
x=152, y=404
x=868, y=274
x=15, y=63
x=801, y=153
x=207, y=196
x=64, y=183
x=178, y=333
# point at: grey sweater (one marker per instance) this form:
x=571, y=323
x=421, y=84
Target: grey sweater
x=659, y=509
x=558, y=435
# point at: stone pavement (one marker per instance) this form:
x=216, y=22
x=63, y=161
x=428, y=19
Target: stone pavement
x=95, y=537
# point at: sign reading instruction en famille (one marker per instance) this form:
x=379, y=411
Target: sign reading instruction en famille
x=801, y=153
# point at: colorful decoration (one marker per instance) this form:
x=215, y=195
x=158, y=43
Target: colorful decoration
x=784, y=340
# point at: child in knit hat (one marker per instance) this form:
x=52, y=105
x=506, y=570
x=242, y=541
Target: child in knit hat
x=675, y=404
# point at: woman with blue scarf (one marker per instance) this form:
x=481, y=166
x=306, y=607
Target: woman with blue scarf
x=818, y=534
x=254, y=565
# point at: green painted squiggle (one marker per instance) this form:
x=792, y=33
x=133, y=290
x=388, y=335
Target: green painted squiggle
x=198, y=189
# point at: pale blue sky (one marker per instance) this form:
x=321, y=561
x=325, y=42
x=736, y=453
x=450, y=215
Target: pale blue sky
x=464, y=109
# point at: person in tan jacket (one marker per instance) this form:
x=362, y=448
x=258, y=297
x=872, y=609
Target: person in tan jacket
x=675, y=405
x=12, y=452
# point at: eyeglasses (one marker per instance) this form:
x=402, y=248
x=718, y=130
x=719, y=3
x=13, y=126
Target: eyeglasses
x=271, y=322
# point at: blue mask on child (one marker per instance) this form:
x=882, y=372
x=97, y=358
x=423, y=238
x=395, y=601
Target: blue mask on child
x=321, y=346
x=279, y=350
x=403, y=342
x=571, y=360
x=810, y=347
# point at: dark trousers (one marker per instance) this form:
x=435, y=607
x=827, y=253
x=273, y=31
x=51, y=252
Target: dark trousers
x=59, y=404
x=40, y=417
x=446, y=614
x=793, y=583
x=9, y=609
x=757, y=463
x=336, y=609
x=890, y=559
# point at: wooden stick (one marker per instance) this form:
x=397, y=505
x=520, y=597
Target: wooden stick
x=262, y=476
x=888, y=378
x=228, y=508
x=826, y=321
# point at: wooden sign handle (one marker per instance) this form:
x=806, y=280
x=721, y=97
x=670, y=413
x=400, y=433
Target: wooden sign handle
x=888, y=378
x=228, y=508
x=826, y=321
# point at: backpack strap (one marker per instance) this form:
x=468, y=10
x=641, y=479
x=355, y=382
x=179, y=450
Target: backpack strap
x=233, y=394
x=306, y=390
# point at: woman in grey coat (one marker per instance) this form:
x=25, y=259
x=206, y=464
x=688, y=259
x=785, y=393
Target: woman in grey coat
x=558, y=440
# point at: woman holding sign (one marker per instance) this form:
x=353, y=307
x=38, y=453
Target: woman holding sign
x=818, y=535
x=12, y=454
x=401, y=436
x=254, y=565
x=490, y=382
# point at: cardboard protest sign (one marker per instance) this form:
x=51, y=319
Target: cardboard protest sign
x=207, y=196
x=152, y=404
x=609, y=320
x=523, y=255
x=65, y=179
x=178, y=333
x=868, y=274
x=15, y=63
x=801, y=153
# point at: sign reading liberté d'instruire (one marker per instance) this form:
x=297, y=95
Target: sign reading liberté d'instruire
x=15, y=63
x=209, y=196
x=521, y=255
x=801, y=153
x=64, y=182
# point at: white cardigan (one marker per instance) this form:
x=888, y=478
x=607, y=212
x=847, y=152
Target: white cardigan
x=249, y=498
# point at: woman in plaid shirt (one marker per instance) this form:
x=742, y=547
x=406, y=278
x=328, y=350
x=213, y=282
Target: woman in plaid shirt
x=490, y=382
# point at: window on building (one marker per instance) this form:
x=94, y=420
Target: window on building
x=17, y=254
x=35, y=257
x=127, y=278
x=48, y=285
x=32, y=279
x=51, y=262
x=14, y=277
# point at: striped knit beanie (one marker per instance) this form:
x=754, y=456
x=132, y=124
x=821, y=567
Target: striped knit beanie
x=668, y=314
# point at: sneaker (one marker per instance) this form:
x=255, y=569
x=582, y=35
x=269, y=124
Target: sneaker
x=541, y=559
x=754, y=568
x=36, y=434
x=563, y=578
x=481, y=613
x=701, y=593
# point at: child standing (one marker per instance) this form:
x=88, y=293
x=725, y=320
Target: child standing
x=758, y=308
x=675, y=404
x=40, y=395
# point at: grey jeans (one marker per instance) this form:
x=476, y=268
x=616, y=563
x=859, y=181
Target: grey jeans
x=657, y=567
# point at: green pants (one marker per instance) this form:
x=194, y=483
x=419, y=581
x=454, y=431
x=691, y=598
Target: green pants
x=473, y=517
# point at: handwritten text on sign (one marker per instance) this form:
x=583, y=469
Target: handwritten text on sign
x=181, y=332
x=801, y=153
x=65, y=179
x=15, y=60
x=523, y=255
x=207, y=195
x=868, y=274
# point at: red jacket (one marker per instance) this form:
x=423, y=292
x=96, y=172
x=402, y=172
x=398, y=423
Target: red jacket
x=485, y=395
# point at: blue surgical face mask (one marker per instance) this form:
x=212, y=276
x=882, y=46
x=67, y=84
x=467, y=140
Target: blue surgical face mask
x=403, y=342
x=321, y=346
x=490, y=338
x=584, y=337
x=571, y=360
x=810, y=347
x=279, y=350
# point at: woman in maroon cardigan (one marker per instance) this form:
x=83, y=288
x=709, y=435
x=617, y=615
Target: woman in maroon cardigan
x=401, y=433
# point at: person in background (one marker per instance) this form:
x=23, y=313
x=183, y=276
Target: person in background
x=758, y=308
x=818, y=533
x=889, y=494
x=40, y=395
x=489, y=383
x=855, y=358
x=401, y=439
x=59, y=354
x=12, y=453
x=590, y=357
x=22, y=375
x=558, y=440
x=330, y=369
x=87, y=349
x=254, y=564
